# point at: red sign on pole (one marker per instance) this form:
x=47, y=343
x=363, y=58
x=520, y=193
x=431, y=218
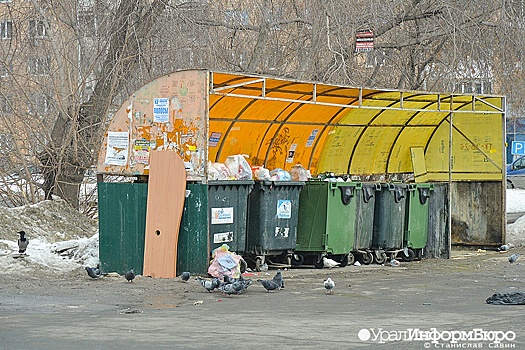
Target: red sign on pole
x=364, y=40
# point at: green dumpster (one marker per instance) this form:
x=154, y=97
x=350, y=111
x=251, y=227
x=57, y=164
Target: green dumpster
x=227, y=212
x=327, y=221
x=365, y=201
x=192, y=249
x=389, y=221
x=416, y=232
x=122, y=223
x=272, y=221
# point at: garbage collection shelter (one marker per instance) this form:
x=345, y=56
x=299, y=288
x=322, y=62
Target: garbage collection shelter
x=456, y=141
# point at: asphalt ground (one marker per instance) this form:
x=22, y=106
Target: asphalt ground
x=417, y=305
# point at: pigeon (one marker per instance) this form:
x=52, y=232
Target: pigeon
x=95, y=272
x=208, y=285
x=513, y=258
x=185, y=276
x=278, y=278
x=22, y=242
x=130, y=275
x=229, y=289
x=329, y=285
x=269, y=284
x=327, y=262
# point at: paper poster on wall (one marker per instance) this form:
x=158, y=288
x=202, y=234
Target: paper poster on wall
x=141, y=149
x=161, y=110
x=291, y=153
x=214, y=139
x=118, y=148
x=311, y=138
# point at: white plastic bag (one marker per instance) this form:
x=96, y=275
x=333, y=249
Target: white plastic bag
x=261, y=173
x=223, y=171
x=239, y=167
x=280, y=175
x=213, y=173
x=299, y=173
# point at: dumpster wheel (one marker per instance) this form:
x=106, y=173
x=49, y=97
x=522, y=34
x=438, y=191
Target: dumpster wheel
x=366, y=258
x=381, y=259
x=297, y=259
x=410, y=257
x=318, y=263
x=346, y=259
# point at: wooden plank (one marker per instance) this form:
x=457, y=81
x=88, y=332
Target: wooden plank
x=166, y=193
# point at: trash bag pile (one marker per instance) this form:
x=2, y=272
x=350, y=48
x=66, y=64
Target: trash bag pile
x=236, y=167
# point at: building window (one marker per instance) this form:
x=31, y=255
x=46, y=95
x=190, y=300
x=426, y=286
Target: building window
x=39, y=65
x=6, y=29
x=38, y=29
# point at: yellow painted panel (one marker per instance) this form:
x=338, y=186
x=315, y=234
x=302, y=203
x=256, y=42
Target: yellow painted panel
x=371, y=154
x=338, y=149
x=400, y=159
x=418, y=164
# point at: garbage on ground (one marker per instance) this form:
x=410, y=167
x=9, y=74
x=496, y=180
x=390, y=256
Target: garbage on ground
x=394, y=262
x=225, y=263
x=511, y=298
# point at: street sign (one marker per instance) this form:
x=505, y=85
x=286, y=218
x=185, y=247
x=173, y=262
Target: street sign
x=518, y=147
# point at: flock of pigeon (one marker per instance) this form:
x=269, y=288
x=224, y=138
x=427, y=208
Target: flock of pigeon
x=229, y=286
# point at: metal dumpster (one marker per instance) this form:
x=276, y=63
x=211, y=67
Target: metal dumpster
x=122, y=222
x=415, y=238
x=364, y=229
x=389, y=221
x=327, y=222
x=227, y=212
x=272, y=222
x=192, y=250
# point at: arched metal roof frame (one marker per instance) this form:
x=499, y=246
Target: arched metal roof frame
x=257, y=86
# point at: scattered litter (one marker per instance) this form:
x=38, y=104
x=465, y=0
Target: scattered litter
x=130, y=311
x=357, y=263
x=511, y=298
x=394, y=263
x=199, y=302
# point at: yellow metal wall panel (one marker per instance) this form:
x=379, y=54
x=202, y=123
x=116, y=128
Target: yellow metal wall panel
x=400, y=158
x=338, y=149
x=418, y=164
x=371, y=154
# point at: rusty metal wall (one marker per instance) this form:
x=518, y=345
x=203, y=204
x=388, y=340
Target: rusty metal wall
x=478, y=213
x=438, y=228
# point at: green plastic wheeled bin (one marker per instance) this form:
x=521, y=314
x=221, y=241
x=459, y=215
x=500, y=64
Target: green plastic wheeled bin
x=227, y=211
x=272, y=222
x=389, y=221
x=327, y=222
x=364, y=229
x=416, y=232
